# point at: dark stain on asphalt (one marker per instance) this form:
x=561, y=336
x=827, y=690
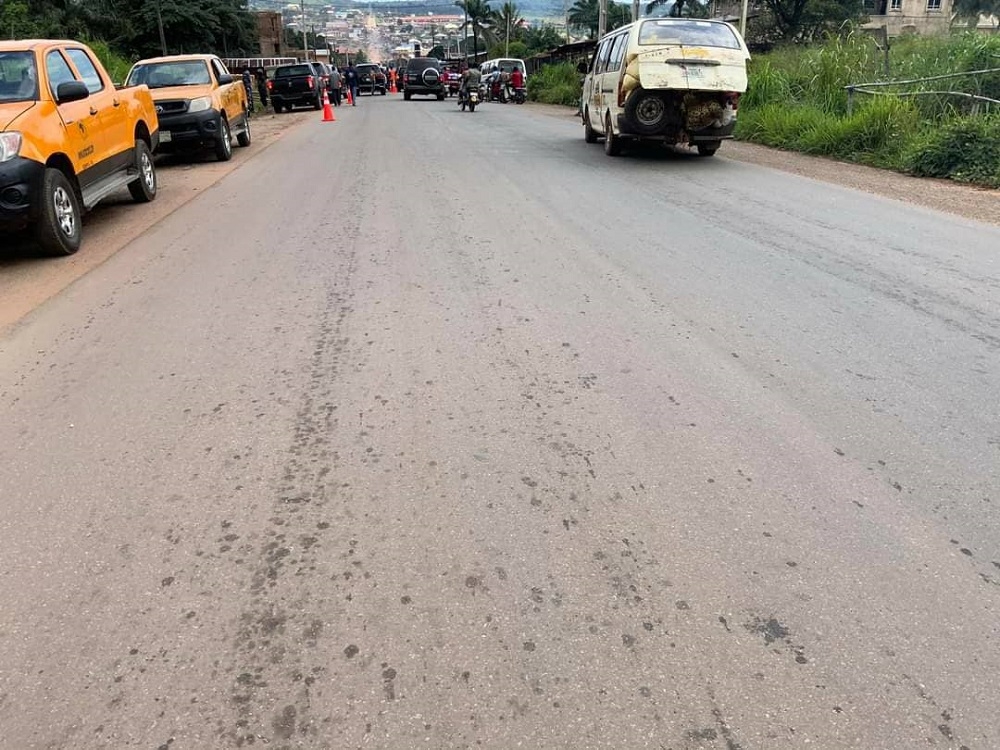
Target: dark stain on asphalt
x=351, y=651
x=770, y=629
x=284, y=723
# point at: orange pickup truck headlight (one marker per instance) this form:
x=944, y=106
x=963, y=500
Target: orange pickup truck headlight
x=10, y=145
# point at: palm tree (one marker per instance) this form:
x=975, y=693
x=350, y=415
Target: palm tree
x=509, y=22
x=585, y=15
x=478, y=17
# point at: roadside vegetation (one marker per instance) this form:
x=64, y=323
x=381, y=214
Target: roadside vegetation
x=797, y=100
x=556, y=84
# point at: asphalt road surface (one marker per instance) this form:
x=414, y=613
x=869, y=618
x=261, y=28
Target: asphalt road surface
x=435, y=429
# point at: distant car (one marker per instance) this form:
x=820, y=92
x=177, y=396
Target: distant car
x=324, y=71
x=423, y=77
x=199, y=103
x=298, y=83
x=371, y=79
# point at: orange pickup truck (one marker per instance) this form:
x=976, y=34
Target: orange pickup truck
x=68, y=139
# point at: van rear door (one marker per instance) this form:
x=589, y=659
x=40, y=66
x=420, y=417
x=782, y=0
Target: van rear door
x=689, y=54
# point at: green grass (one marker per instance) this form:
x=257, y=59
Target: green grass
x=797, y=100
x=555, y=84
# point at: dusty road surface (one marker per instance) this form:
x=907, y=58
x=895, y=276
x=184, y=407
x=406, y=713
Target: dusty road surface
x=468, y=435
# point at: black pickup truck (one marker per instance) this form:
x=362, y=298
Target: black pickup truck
x=299, y=84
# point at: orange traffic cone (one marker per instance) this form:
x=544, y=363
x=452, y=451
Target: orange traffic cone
x=392, y=85
x=350, y=99
x=327, y=109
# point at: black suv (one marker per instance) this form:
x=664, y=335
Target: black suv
x=423, y=76
x=371, y=79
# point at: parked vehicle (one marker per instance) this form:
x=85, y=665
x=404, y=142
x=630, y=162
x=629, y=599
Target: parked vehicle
x=295, y=85
x=324, y=73
x=423, y=76
x=675, y=80
x=68, y=139
x=199, y=103
x=452, y=80
x=371, y=79
x=502, y=65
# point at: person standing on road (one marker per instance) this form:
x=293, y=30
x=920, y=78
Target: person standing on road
x=352, y=83
x=248, y=85
x=262, y=86
x=336, y=81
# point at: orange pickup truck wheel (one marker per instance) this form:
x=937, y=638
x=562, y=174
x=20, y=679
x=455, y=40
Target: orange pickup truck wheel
x=57, y=230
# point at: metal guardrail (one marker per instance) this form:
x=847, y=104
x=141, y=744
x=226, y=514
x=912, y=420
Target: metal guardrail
x=865, y=88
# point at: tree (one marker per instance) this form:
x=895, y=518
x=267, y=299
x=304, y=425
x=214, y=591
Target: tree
x=542, y=38
x=508, y=23
x=584, y=15
x=678, y=9
x=971, y=10
x=805, y=19
x=479, y=15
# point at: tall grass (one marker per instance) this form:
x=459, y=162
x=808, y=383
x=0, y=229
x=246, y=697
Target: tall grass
x=556, y=84
x=797, y=100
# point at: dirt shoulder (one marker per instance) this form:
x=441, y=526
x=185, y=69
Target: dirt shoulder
x=978, y=204
x=27, y=281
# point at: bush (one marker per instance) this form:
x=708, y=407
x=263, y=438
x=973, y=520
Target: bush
x=556, y=84
x=966, y=149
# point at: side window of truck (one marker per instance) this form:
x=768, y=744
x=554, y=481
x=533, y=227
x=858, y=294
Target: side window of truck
x=58, y=70
x=87, y=69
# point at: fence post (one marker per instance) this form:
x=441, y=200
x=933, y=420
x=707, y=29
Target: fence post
x=850, y=100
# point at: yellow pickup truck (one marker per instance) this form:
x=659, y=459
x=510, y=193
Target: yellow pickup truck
x=68, y=139
x=199, y=103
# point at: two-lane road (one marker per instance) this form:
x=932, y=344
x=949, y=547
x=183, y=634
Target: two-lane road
x=436, y=429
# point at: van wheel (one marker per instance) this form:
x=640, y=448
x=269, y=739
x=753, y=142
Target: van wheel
x=612, y=143
x=224, y=143
x=589, y=134
x=647, y=112
x=57, y=231
x=143, y=190
x=708, y=149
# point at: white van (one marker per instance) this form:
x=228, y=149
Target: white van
x=674, y=80
x=503, y=65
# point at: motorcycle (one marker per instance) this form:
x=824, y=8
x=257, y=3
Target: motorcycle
x=470, y=99
x=520, y=96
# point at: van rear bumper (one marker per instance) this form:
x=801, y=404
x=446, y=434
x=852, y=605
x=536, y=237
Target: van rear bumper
x=675, y=134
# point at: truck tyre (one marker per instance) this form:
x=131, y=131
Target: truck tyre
x=143, y=190
x=318, y=103
x=57, y=230
x=244, y=138
x=224, y=143
x=589, y=134
x=647, y=112
x=612, y=143
x=406, y=96
x=709, y=148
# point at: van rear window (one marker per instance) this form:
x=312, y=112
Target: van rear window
x=689, y=32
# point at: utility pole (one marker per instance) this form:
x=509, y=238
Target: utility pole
x=635, y=10
x=159, y=22
x=305, y=36
x=743, y=19
x=602, y=18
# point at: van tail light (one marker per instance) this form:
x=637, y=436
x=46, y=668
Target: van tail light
x=270, y=85
x=621, y=94
x=310, y=82
x=733, y=99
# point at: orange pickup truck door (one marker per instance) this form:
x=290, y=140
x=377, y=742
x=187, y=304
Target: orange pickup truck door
x=113, y=118
x=83, y=142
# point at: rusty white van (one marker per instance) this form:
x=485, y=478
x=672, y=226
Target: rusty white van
x=674, y=80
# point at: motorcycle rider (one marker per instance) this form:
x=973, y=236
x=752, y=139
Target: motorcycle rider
x=472, y=76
